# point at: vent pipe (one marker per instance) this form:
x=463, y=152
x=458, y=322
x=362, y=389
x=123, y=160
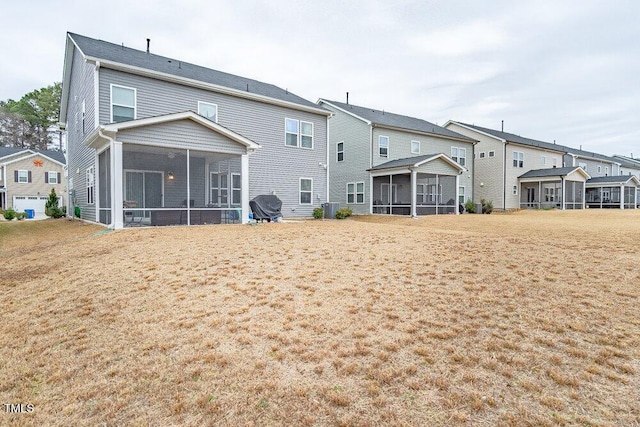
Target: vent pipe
x=502, y=126
x=347, y=98
x=148, y=44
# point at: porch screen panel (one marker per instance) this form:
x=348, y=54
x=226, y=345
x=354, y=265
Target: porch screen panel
x=153, y=190
x=104, y=190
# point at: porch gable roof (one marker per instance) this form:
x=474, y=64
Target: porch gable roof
x=113, y=128
x=619, y=180
x=417, y=161
x=554, y=172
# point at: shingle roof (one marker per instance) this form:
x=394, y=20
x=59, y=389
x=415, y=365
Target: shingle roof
x=52, y=154
x=619, y=179
x=99, y=49
x=385, y=118
x=542, y=173
x=510, y=137
x=407, y=161
x=627, y=161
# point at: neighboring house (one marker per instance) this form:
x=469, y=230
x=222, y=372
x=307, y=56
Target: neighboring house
x=27, y=177
x=503, y=159
x=381, y=162
x=158, y=141
x=619, y=191
x=628, y=165
x=595, y=164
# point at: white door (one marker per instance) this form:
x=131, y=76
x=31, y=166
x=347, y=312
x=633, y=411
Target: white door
x=37, y=203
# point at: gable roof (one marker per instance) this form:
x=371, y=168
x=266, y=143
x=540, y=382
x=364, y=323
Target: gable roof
x=135, y=61
x=386, y=119
x=417, y=161
x=551, y=172
x=628, y=162
x=510, y=137
x=619, y=179
x=57, y=156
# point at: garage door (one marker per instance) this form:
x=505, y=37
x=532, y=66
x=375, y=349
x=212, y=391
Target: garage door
x=20, y=203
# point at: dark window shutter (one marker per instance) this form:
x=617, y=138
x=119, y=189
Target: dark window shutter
x=46, y=177
x=15, y=176
x=59, y=178
x=29, y=179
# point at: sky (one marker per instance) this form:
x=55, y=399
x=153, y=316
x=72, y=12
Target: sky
x=563, y=70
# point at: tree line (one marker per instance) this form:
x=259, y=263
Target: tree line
x=32, y=121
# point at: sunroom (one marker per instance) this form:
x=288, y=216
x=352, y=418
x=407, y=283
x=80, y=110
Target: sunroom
x=559, y=188
x=617, y=192
x=421, y=185
x=176, y=169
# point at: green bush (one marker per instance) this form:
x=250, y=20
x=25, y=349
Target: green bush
x=9, y=214
x=21, y=215
x=318, y=213
x=469, y=206
x=76, y=211
x=343, y=213
x=487, y=206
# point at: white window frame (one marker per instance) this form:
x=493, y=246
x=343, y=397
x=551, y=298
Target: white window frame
x=53, y=174
x=459, y=155
x=583, y=166
x=420, y=194
x=21, y=176
x=599, y=169
x=236, y=190
x=208, y=104
x=90, y=176
x=287, y=132
x=380, y=147
x=339, y=151
x=606, y=171
x=355, y=193
x=415, y=147
x=305, y=191
x=515, y=190
x=554, y=161
x=492, y=153
x=135, y=100
x=543, y=160
x=482, y=155
x=302, y=134
x=518, y=159
x=461, y=195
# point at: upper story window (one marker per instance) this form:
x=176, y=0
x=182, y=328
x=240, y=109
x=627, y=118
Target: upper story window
x=298, y=133
x=599, y=169
x=583, y=166
x=210, y=111
x=459, y=155
x=51, y=177
x=415, y=147
x=492, y=153
x=482, y=154
x=554, y=162
x=518, y=159
x=606, y=171
x=22, y=176
x=123, y=104
x=543, y=160
x=340, y=151
x=383, y=146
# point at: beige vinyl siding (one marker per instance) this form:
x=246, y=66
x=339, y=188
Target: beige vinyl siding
x=274, y=168
x=38, y=185
x=532, y=161
x=592, y=166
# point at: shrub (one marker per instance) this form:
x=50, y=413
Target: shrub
x=21, y=215
x=76, y=211
x=469, y=206
x=487, y=206
x=318, y=213
x=343, y=213
x=9, y=214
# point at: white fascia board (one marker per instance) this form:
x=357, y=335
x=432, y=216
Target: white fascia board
x=632, y=178
x=66, y=77
x=345, y=111
x=435, y=135
x=444, y=157
x=475, y=130
x=391, y=171
x=33, y=154
x=535, y=147
x=203, y=85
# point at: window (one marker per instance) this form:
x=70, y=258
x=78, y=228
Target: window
x=554, y=162
x=515, y=190
x=340, y=151
x=298, y=130
x=355, y=192
x=23, y=176
x=420, y=194
x=210, y=111
x=543, y=160
x=459, y=155
x=599, y=169
x=306, y=190
x=606, y=171
x=51, y=177
x=492, y=153
x=482, y=154
x=415, y=147
x=219, y=189
x=83, y=115
x=461, y=195
x=236, y=189
x=549, y=194
x=583, y=166
x=123, y=104
x=518, y=159
x=383, y=146
x=90, y=178
x=306, y=134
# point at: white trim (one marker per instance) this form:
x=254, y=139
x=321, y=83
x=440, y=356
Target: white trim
x=379, y=146
x=286, y=132
x=232, y=188
x=306, y=191
x=26, y=181
x=111, y=103
x=411, y=146
x=244, y=177
x=355, y=193
x=55, y=173
x=307, y=135
x=491, y=154
x=338, y=152
x=345, y=111
x=96, y=95
x=210, y=104
x=30, y=156
x=473, y=130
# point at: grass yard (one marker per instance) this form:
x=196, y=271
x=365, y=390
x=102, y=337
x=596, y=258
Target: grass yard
x=528, y=318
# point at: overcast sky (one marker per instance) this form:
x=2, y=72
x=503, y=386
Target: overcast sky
x=563, y=70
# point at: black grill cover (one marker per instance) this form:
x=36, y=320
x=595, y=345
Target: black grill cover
x=266, y=206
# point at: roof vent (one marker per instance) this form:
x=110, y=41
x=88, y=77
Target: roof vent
x=148, y=44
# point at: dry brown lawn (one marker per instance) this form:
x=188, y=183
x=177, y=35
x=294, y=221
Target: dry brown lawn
x=528, y=318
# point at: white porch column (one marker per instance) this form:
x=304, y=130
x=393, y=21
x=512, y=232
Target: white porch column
x=635, y=198
x=622, y=196
x=244, y=185
x=116, y=189
x=371, y=194
x=96, y=185
x=437, y=192
x=563, y=192
x=457, y=194
x=414, y=181
x=539, y=194
x=584, y=195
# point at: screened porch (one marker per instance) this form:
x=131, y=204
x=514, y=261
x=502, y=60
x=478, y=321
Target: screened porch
x=559, y=188
x=435, y=194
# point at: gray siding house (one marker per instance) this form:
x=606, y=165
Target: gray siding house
x=381, y=162
x=157, y=141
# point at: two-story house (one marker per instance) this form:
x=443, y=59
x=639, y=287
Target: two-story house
x=517, y=172
x=382, y=162
x=27, y=177
x=158, y=141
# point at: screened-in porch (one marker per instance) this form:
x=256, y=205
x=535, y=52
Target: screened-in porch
x=613, y=192
x=558, y=188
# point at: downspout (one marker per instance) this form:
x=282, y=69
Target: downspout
x=504, y=178
x=327, y=162
x=370, y=166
